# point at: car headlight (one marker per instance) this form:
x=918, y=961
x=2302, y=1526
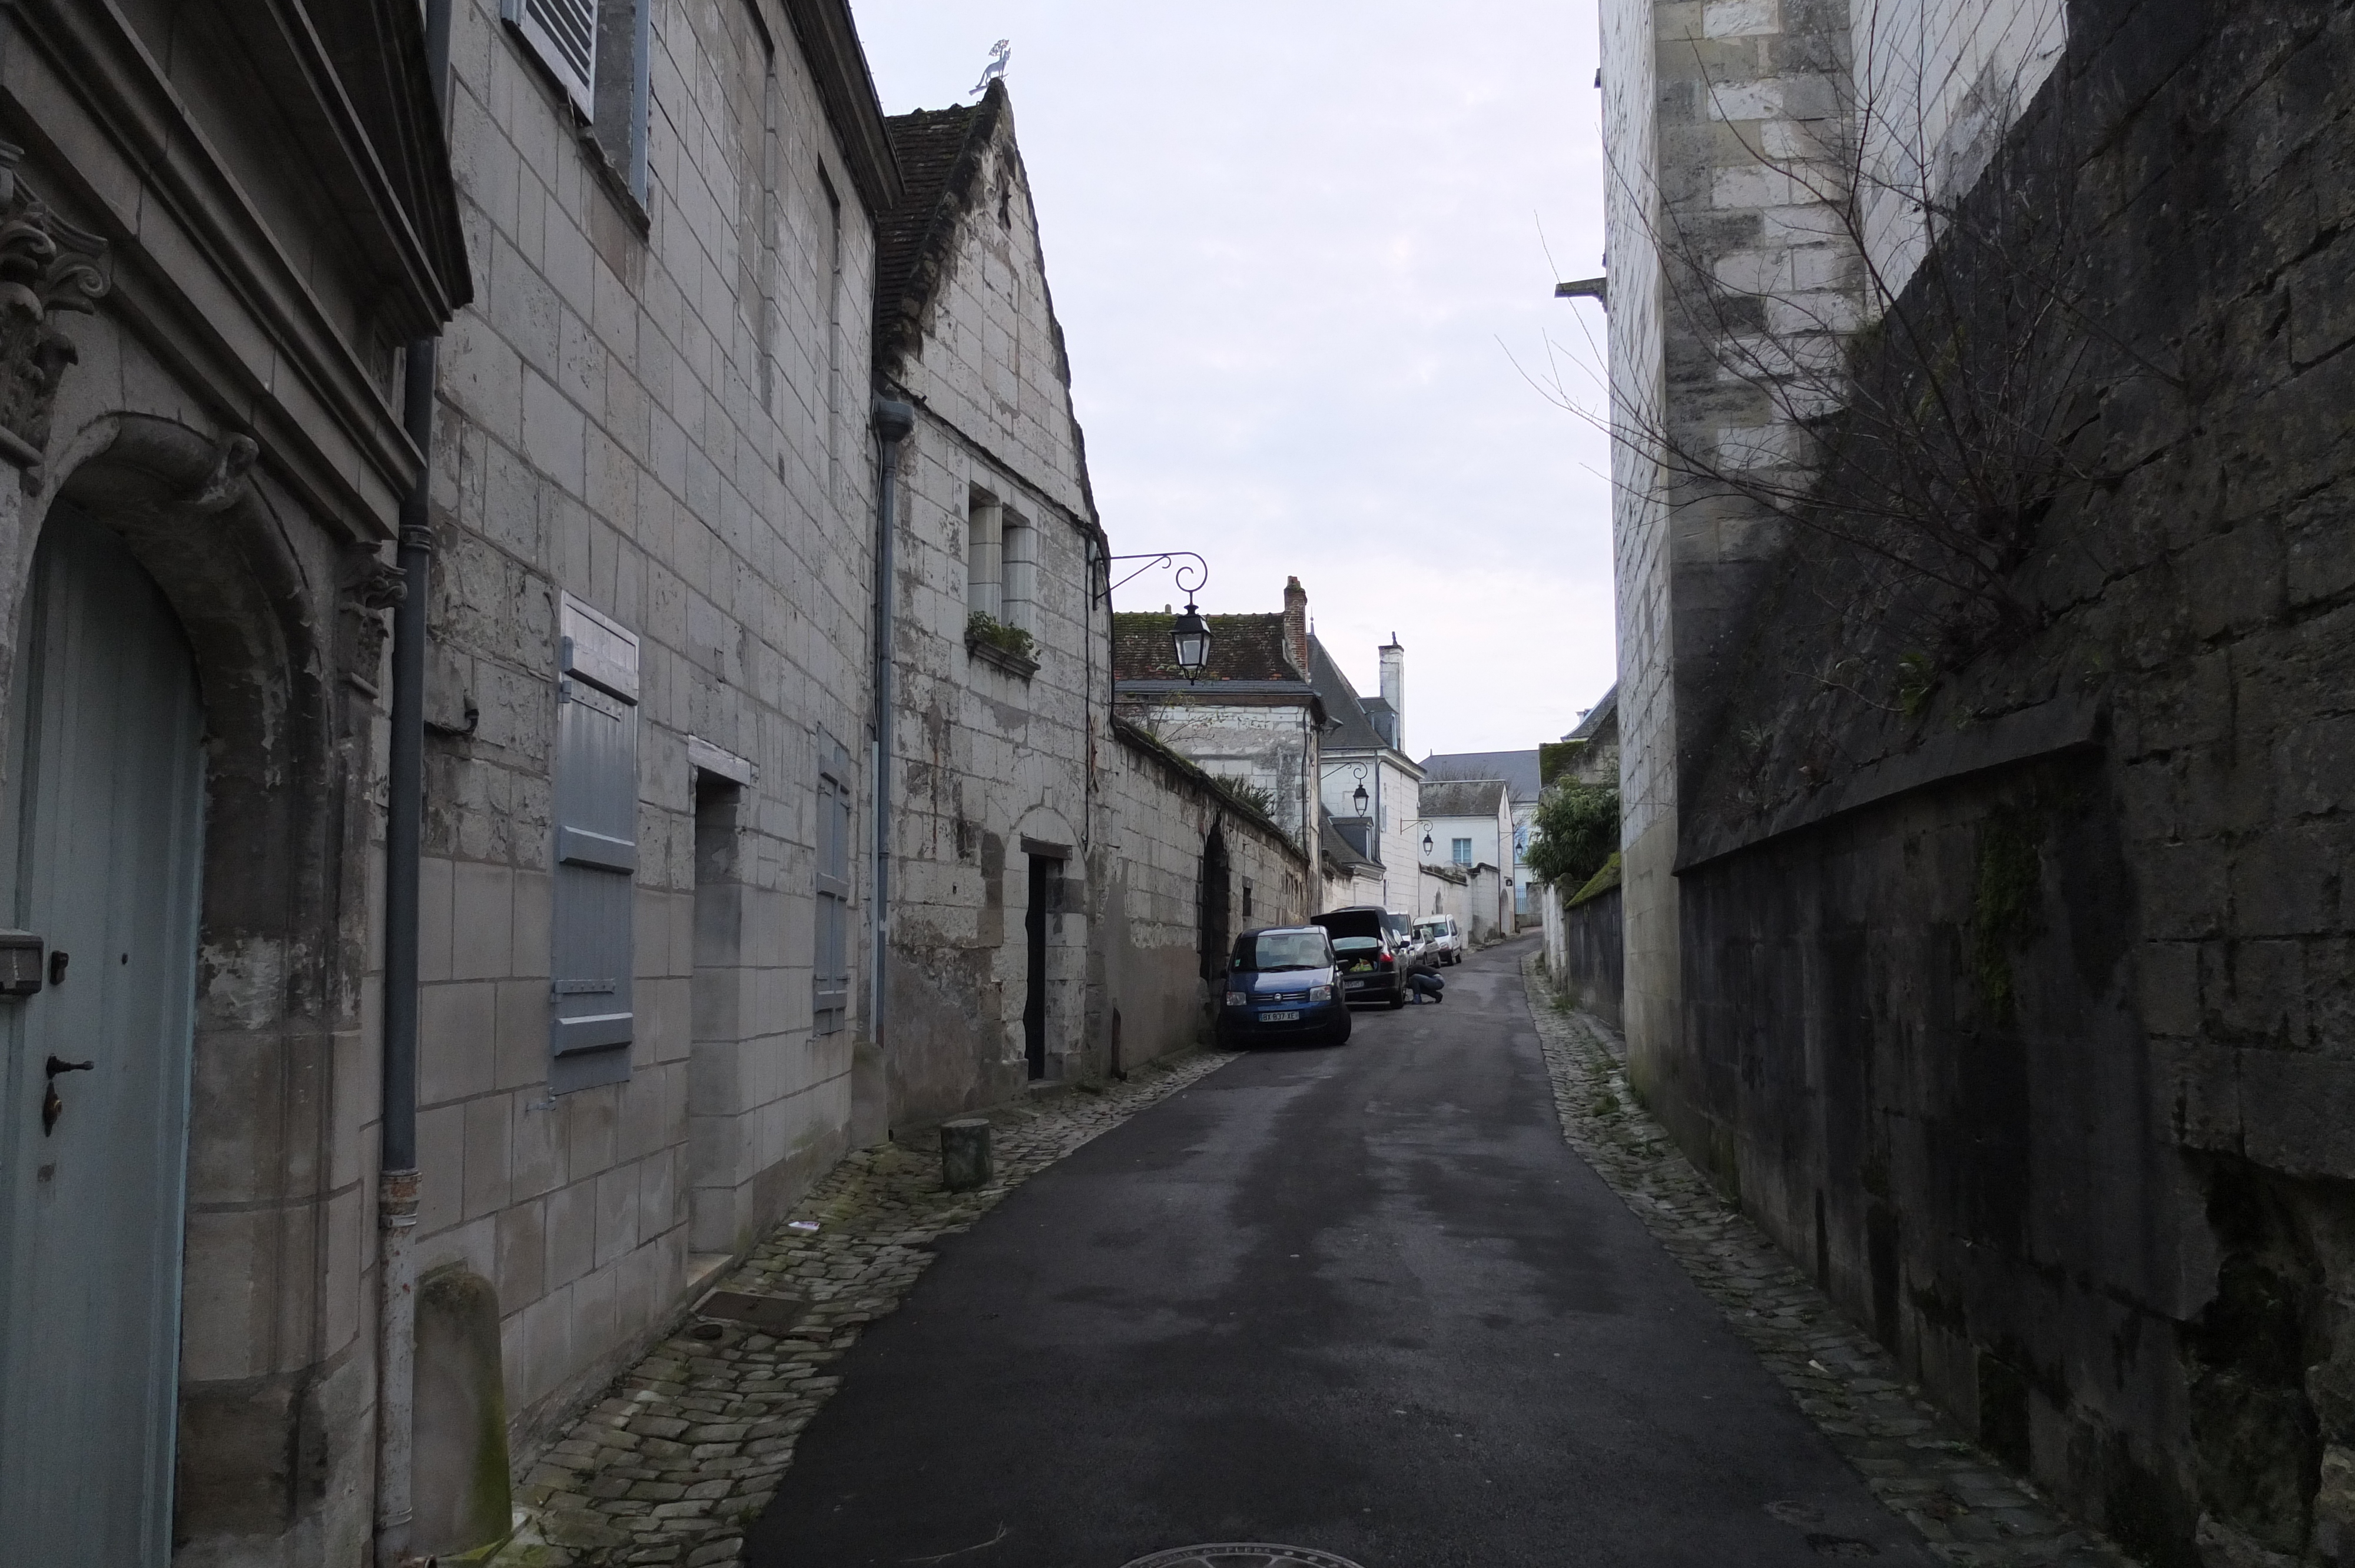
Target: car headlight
x=1236, y=999
x=1320, y=993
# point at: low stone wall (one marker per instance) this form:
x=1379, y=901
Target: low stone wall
x=1586, y=951
x=1148, y=867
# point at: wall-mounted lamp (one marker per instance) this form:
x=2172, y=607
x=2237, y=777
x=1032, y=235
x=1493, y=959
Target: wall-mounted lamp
x=1189, y=631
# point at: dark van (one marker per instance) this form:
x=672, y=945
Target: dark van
x=1373, y=962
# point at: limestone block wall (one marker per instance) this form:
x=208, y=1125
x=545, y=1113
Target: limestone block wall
x=1270, y=743
x=1148, y=869
x=2026, y=1024
x=657, y=422
x=993, y=767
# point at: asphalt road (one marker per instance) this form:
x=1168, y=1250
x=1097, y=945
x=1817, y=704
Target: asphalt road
x=1361, y=1298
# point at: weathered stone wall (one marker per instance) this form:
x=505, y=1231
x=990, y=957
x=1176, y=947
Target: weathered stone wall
x=993, y=763
x=1270, y=743
x=2018, y=984
x=660, y=424
x=1147, y=869
x=1586, y=952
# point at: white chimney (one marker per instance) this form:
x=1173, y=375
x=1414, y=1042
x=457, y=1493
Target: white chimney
x=1394, y=689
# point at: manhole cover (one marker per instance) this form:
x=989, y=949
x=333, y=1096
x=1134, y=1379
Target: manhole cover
x=1241, y=1554
x=764, y=1314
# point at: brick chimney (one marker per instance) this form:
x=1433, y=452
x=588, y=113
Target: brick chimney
x=1296, y=625
x=1394, y=689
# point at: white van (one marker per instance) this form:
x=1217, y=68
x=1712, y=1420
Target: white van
x=1442, y=939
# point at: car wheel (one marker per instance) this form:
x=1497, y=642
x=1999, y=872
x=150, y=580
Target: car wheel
x=1339, y=1034
x=1398, y=998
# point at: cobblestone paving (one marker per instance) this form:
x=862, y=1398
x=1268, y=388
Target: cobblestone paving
x=1975, y=1513
x=685, y=1451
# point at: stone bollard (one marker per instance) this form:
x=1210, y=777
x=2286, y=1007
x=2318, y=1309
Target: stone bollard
x=965, y=1153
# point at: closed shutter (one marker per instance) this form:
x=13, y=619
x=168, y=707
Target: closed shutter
x=593, y=1021
x=830, y=970
x=563, y=34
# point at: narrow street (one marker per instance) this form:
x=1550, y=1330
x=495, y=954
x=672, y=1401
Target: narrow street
x=1364, y=1300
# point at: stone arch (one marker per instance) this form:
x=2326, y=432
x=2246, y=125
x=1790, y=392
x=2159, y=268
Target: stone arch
x=276, y=1227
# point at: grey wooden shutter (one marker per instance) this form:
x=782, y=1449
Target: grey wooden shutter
x=563, y=34
x=592, y=1020
x=830, y=970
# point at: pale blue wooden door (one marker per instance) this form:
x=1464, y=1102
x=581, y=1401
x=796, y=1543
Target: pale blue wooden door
x=98, y=855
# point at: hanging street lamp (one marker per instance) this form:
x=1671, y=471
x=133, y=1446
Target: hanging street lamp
x=1359, y=797
x=1189, y=632
x=1193, y=640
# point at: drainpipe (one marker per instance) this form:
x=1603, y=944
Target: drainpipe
x=894, y=420
x=397, y=1175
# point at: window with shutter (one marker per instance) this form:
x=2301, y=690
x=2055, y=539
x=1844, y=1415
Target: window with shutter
x=563, y=33
x=592, y=1020
x=830, y=976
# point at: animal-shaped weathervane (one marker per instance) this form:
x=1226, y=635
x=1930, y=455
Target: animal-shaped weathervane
x=999, y=53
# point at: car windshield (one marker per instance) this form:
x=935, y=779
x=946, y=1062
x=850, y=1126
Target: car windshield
x=1282, y=950
x=1431, y=928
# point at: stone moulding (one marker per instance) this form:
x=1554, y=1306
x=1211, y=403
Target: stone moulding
x=48, y=268
x=989, y=653
x=2047, y=729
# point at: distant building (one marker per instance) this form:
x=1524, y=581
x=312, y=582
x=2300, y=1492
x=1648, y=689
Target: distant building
x=1469, y=826
x=1365, y=750
x=1518, y=771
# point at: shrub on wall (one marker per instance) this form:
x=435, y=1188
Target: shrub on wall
x=1577, y=829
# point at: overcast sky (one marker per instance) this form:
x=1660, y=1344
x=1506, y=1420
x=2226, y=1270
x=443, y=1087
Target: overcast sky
x=1296, y=250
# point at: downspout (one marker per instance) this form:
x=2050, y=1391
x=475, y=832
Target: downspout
x=893, y=422
x=397, y=1173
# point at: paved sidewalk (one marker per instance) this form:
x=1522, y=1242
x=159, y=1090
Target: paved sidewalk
x=1974, y=1512
x=686, y=1450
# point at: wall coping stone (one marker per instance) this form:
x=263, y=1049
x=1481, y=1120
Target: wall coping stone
x=2047, y=729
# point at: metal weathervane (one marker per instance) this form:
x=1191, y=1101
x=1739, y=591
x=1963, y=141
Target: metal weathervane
x=999, y=53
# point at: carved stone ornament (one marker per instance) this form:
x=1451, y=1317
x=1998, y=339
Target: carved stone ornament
x=371, y=585
x=47, y=267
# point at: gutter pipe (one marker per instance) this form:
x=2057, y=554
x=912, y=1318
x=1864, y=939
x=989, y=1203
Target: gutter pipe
x=894, y=421
x=397, y=1173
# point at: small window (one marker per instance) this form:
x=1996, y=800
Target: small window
x=1019, y=585
x=1464, y=852
x=985, y=545
x=592, y=1019
x=563, y=34
x=830, y=963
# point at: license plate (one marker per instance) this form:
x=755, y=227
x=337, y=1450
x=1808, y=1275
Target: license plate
x=1279, y=1018
x=1360, y=984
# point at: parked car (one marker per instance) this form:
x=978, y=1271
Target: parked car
x=1374, y=956
x=1442, y=938
x=1281, y=984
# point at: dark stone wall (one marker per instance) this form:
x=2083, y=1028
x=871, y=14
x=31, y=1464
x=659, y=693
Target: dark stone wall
x=1594, y=955
x=2034, y=1035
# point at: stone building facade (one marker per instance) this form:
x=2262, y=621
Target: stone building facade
x=1981, y=944
x=654, y=452
x=220, y=224
x=999, y=810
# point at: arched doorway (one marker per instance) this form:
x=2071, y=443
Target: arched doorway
x=1214, y=897
x=100, y=856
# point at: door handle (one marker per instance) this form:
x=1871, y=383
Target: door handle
x=58, y=1064
x=52, y=1105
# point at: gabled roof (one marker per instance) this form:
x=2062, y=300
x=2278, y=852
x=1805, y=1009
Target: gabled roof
x=939, y=154
x=1242, y=648
x=1605, y=712
x=1353, y=728
x=1469, y=797
x=1518, y=769
x=1338, y=851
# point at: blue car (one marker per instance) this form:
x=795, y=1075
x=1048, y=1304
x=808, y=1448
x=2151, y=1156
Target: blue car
x=1281, y=986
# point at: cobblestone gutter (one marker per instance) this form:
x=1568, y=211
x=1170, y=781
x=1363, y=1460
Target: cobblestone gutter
x=1975, y=1513
x=686, y=1450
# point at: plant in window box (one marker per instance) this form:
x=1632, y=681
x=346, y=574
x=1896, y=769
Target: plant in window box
x=985, y=628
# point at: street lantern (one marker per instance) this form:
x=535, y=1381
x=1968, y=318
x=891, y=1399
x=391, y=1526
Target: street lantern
x=1358, y=795
x=1426, y=843
x=1193, y=640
